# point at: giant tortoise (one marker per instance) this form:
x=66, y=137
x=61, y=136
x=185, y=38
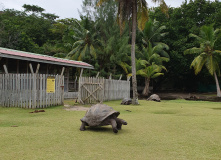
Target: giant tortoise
x=154, y=97
x=126, y=101
x=101, y=115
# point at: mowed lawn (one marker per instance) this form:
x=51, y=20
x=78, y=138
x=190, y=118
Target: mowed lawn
x=166, y=130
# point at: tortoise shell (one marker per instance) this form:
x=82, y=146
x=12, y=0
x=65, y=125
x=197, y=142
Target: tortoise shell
x=154, y=97
x=126, y=101
x=98, y=113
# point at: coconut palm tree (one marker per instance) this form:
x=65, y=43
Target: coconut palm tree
x=137, y=10
x=84, y=41
x=152, y=33
x=149, y=71
x=152, y=65
x=206, y=54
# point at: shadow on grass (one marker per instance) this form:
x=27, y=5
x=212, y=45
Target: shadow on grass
x=99, y=129
x=165, y=112
x=216, y=108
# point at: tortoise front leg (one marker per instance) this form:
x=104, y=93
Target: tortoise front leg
x=120, y=122
x=82, y=128
x=114, y=125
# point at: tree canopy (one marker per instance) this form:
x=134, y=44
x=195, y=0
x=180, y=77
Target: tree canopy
x=98, y=39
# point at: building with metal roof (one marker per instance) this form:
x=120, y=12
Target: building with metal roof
x=33, y=57
x=20, y=62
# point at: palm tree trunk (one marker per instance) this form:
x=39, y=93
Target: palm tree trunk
x=134, y=79
x=217, y=85
x=146, y=88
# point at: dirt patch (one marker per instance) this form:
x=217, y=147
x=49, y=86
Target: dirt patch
x=75, y=108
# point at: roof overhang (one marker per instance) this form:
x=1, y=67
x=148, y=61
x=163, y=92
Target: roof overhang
x=21, y=55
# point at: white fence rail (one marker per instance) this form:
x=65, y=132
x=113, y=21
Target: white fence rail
x=30, y=90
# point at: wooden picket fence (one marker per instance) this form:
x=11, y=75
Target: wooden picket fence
x=116, y=89
x=93, y=90
x=30, y=90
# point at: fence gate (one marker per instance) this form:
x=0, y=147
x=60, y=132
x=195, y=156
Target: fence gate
x=91, y=90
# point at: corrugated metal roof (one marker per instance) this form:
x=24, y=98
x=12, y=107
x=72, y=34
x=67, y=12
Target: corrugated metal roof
x=15, y=54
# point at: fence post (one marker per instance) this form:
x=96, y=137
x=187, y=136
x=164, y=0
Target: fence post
x=61, y=79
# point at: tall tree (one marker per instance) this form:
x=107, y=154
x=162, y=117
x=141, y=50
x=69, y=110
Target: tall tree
x=207, y=54
x=137, y=10
x=152, y=64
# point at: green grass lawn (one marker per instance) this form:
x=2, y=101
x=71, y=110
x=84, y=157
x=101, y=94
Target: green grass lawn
x=170, y=130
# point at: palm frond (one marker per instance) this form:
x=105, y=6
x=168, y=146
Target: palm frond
x=73, y=51
x=198, y=63
x=195, y=36
x=84, y=51
x=142, y=73
x=142, y=14
x=193, y=50
x=157, y=75
x=125, y=67
x=211, y=64
x=78, y=43
x=93, y=51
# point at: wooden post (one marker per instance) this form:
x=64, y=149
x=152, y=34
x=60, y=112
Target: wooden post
x=128, y=78
x=110, y=76
x=31, y=68
x=61, y=83
x=120, y=77
x=5, y=68
x=97, y=74
x=67, y=80
x=62, y=72
x=81, y=72
x=37, y=69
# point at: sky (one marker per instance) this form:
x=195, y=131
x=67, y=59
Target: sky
x=64, y=8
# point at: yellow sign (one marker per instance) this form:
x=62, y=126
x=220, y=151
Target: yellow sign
x=50, y=84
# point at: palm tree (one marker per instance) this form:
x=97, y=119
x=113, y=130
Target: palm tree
x=84, y=43
x=149, y=71
x=206, y=53
x=153, y=33
x=152, y=64
x=137, y=9
x=114, y=48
